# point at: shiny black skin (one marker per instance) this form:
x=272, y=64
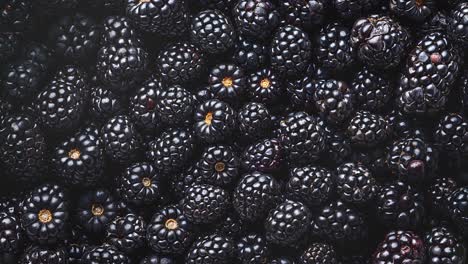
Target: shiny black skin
x=252, y=248
x=218, y=165
x=256, y=18
x=227, y=82
x=175, y=106
x=254, y=121
x=443, y=245
x=319, y=253
x=122, y=142
x=265, y=156
x=211, y=249
x=406, y=246
x=458, y=208
x=311, y=185
x=205, y=204
x=127, y=233
x=220, y=127
x=104, y=254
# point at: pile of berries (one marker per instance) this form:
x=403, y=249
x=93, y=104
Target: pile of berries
x=233, y=131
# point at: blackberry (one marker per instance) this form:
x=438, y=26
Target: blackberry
x=211, y=249
x=457, y=26
x=122, y=142
x=254, y=121
x=368, y=130
x=105, y=254
x=264, y=156
x=227, y=82
x=301, y=92
x=181, y=181
x=171, y=150
x=338, y=147
x=304, y=14
x=256, y=18
x=9, y=42
x=250, y=54
x=353, y=9
x=22, y=147
x=438, y=194
x=205, y=204
x=400, y=205
x=371, y=91
x=170, y=231
x=458, y=209
x=400, y=247
x=11, y=234
x=38, y=255
x=22, y=79
x=264, y=86
x=413, y=10
x=75, y=252
x=180, y=63
x=291, y=50
x=44, y=214
x=437, y=22
x=287, y=223
x=223, y=5
x=75, y=38
x=180, y=25
x=116, y=28
x=379, y=41
x=355, y=183
x=333, y=48
x=442, y=245
x=311, y=185
x=451, y=134
x=302, y=138
x=16, y=15
x=127, y=233
x=252, y=248
x=155, y=259
x=231, y=225
x=319, y=253
x=214, y=121
x=218, y=165
x=254, y=196
x=334, y=100
x=429, y=75
x=104, y=104
x=212, y=31
x=175, y=105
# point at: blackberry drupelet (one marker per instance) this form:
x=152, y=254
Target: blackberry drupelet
x=338, y=147
x=250, y=54
x=254, y=121
x=319, y=253
x=231, y=225
x=212, y=32
x=117, y=28
x=215, y=121
x=458, y=209
x=211, y=249
x=227, y=82
x=352, y=9
x=400, y=247
x=156, y=259
x=372, y=91
x=252, y=248
x=254, y=196
x=400, y=206
x=287, y=223
x=122, y=142
x=334, y=100
x=104, y=254
x=75, y=252
x=180, y=182
x=355, y=183
x=291, y=50
x=127, y=233
x=264, y=156
x=437, y=195
x=44, y=214
x=256, y=18
x=104, y=104
x=218, y=165
x=281, y=260
x=442, y=245
x=264, y=86
x=9, y=43
x=11, y=233
x=413, y=10
x=38, y=255
x=451, y=135
x=311, y=185
x=205, y=204
x=305, y=14
x=368, y=130
x=175, y=106
x=16, y=15
x=22, y=80
x=301, y=92
x=438, y=22
x=457, y=25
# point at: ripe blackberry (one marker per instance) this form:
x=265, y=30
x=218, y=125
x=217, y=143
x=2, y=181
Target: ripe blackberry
x=371, y=91
x=249, y=54
x=75, y=252
x=75, y=38
x=38, y=255
x=311, y=185
x=252, y=248
x=122, y=142
x=400, y=247
x=302, y=138
x=22, y=147
x=256, y=18
x=11, y=234
x=400, y=205
x=227, y=82
x=319, y=253
x=458, y=209
x=438, y=194
x=214, y=121
x=218, y=165
x=437, y=22
x=180, y=63
x=254, y=196
x=22, y=79
x=264, y=156
x=116, y=28
x=451, y=134
x=457, y=25
x=127, y=233
x=352, y=9
x=379, y=41
x=442, y=245
x=368, y=130
x=281, y=260
x=104, y=254
x=304, y=14
x=429, y=75
x=211, y=249
x=413, y=10
x=205, y=204
x=334, y=100
x=333, y=48
x=231, y=225
x=104, y=104
x=301, y=92
x=175, y=105
x=254, y=121
x=180, y=25
x=171, y=150
x=169, y=231
x=338, y=147
x=355, y=183
x=156, y=259
x=44, y=214
x=9, y=42
x=180, y=182
x=287, y=223
x=264, y=86
x=291, y=50
x=16, y=15
x=212, y=31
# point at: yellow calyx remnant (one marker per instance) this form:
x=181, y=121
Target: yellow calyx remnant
x=97, y=210
x=265, y=83
x=208, y=118
x=146, y=182
x=227, y=82
x=74, y=154
x=219, y=166
x=171, y=224
x=45, y=216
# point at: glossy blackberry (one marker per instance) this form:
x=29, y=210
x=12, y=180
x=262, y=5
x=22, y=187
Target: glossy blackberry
x=212, y=31
x=355, y=183
x=256, y=18
x=338, y=147
x=287, y=223
x=252, y=248
x=265, y=156
x=379, y=41
x=400, y=247
x=104, y=104
x=437, y=22
x=122, y=142
x=291, y=50
x=116, y=28
x=9, y=42
x=215, y=121
x=438, y=193
x=218, y=165
x=16, y=15
x=412, y=160
x=22, y=80
x=264, y=86
x=319, y=253
x=333, y=48
x=429, y=75
x=334, y=100
x=211, y=249
x=22, y=148
x=375, y=159
x=301, y=92
x=442, y=245
x=75, y=252
x=254, y=121
x=250, y=54
x=154, y=15
x=227, y=82
x=180, y=182
x=171, y=150
x=127, y=233
x=231, y=225
x=179, y=28
x=75, y=38
x=305, y=14
x=156, y=259
x=451, y=134
x=302, y=138
x=353, y=9
x=105, y=254
x=458, y=209
x=175, y=105
x=222, y=5
x=457, y=25
x=400, y=206
x=281, y=260
x=205, y=204
x=413, y=10
x=311, y=185
x=371, y=91
x=95, y=209
x=44, y=214
x=38, y=255
x=368, y=130
x=11, y=234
